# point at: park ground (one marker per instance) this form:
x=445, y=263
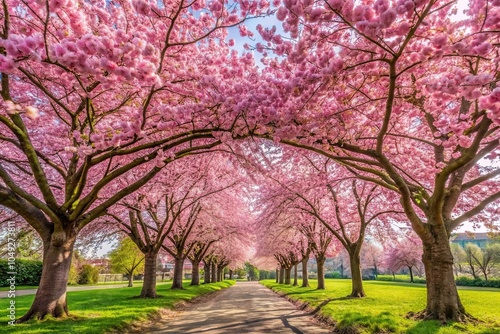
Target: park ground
x=387, y=305
x=384, y=310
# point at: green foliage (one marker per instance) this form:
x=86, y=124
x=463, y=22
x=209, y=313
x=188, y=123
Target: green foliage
x=334, y=274
x=387, y=304
x=126, y=258
x=88, y=274
x=267, y=274
x=466, y=281
x=28, y=272
x=252, y=271
x=104, y=311
x=399, y=278
x=73, y=275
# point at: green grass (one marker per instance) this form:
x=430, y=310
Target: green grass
x=98, y=311
x=29, y=287
x=387, y=303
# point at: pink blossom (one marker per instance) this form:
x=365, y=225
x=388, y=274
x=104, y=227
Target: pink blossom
x=282, y=13
x=387, y=18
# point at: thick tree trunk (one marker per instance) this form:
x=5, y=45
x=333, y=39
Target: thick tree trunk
x=305, y=273
x=149, y=284
x=220, y=273
x=282, y=275
x=320, y=261
x=207, y=272
x=277, y=275
x=295, y=274
x=50, y=298
x=356, y=277
x=230, y=274
x=178, y=268
x=195, y=273
x=411, y=274
x=288, y=275
x=443, y=302
x=214, y=273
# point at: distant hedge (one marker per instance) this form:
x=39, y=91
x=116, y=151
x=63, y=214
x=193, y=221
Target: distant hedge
x=466, y=281
x=27, y=272
x=460, y=281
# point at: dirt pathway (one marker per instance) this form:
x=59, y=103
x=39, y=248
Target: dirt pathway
x=247, y=307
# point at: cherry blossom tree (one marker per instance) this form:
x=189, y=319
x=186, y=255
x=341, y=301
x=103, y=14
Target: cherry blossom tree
x=406, y=252
x=404, y=94
x=94, y=92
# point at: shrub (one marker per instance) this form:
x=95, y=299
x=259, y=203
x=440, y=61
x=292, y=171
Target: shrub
x=88, y=274
x=73, y=275
x=28, y=272
x=466, y=281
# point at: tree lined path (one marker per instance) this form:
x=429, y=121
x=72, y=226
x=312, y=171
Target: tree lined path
x=246, y=307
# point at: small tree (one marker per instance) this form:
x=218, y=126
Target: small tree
x=127, y=258
x=482, y=259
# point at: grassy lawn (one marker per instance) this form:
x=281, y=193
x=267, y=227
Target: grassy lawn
x=384, y=310
x=96, y=311
x=29, y=287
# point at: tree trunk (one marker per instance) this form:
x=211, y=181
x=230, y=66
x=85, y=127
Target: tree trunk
x=220, y=273
x=207, y=273
x=130, y=280
x=50, y=298
x=282, y=275
x=230, y=274
x=277, y=275
x=411, y=274
x=195, y=273
x=295, y=274
x=320, y=261
x=178, y=267
x=214, y=273
x=356, y=277
x=443, y=302
x=305, y=273
x=149, y=284
x=288, y=275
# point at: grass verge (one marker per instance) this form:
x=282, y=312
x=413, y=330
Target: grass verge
x=386, y=305
x=100, y=311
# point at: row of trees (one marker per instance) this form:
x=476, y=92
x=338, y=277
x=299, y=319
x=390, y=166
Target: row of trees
x=100, y=98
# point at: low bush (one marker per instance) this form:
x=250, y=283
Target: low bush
x=466, y=281
x=88, y=275
x=28, y=272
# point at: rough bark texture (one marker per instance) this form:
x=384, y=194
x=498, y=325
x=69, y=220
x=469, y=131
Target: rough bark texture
x=207, y=273
x=320, y=260
x=195, y=273
x=214, y=273
x=305, y=274
x=149, y=285
x=295, y=274
x=282, y=275
x=178, y=268
x=443, y=302
x=50, y=298
x=220, y=273
x=288, y=275
x=356, y=278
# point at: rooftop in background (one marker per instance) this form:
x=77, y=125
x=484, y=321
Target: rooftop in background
x=481, y=239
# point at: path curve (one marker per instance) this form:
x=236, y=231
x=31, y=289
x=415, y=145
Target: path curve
x=247, y=307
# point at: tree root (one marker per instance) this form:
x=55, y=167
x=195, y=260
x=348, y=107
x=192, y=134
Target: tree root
x=461, y=317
